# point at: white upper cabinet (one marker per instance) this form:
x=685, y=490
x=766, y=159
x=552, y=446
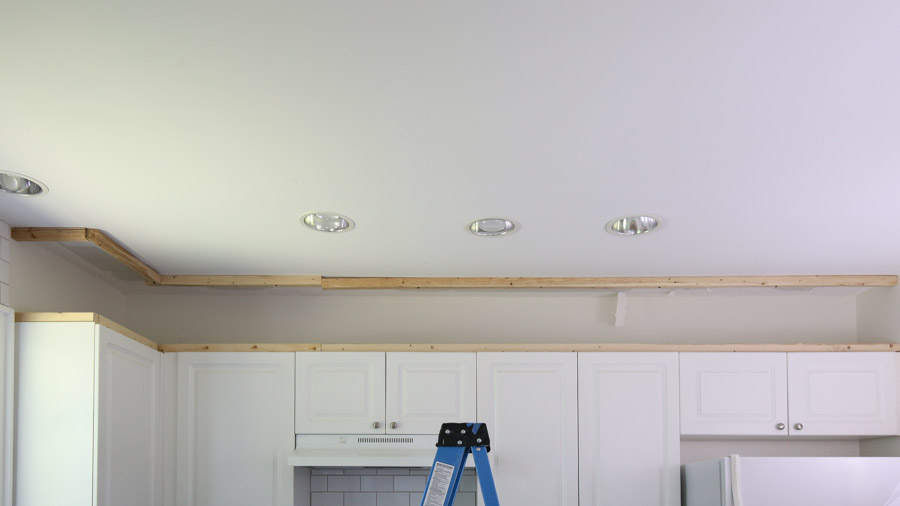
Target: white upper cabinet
x=235, y=429
x=734, y=394
x=797, y=394
x=838, y=394
x=424, y=390
x=378, y=393
x=629, y=445
x=88, y=422
x=529, y=402
x=339, y=393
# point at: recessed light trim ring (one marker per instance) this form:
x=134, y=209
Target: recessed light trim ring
x=20, y=184
x=492, y=227
x=327, y=222
x=637, y=224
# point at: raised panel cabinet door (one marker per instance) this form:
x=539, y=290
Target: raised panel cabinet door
x=529, y=402
x=129, y=444
x=340, y=393
x=833, y=394
x=424, y=390
x=733, y=394
x=235, y=429
x=628, y=422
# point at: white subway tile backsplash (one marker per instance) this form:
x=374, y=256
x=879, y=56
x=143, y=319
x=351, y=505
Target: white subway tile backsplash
x=318, y=483
x=4, y=272
x=4, y=249
x=377, y=484
x=4, y=294
x=392, y=499
x=360, y=499
x=4, y=230
x=409, y=483
x=394, y=470
x=355, y=486
x=326, y=499
x=343, y=483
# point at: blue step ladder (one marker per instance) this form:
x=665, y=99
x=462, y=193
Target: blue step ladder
x=455, y=442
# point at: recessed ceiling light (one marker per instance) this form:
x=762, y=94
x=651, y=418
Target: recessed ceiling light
x=327, y=222
x=633, y=225
x=491, y=226
x=17, y=184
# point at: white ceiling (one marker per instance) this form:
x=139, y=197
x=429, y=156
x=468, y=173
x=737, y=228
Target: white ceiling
x=766, y=134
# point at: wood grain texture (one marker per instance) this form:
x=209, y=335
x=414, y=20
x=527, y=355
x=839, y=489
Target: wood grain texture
x=312, y=281
x=241, y=347
x=95, y=236
x=87, y=317
x=613, y=283
x=127, y=258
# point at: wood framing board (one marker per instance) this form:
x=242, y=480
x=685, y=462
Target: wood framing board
x=274, y=280
x=613, y=283
x=87, y=317
x=92, y=235
x=241, y=347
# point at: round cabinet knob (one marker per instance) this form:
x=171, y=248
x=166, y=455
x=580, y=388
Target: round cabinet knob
x=394, y=425
x=780, y=426
x=798, y=426
x=376, y=425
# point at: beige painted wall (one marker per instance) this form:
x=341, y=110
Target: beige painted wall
x=44, y=278
x=279, y=315
x=878, y=316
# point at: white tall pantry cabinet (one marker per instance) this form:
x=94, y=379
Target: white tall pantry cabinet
x=529, y=403
x=235, y=429
x=629, y=444
x=88, y=418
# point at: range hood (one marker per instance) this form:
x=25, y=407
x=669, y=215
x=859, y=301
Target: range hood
x=365, y=450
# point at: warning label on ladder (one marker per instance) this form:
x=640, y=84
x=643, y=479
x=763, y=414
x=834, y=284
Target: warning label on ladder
x=439, y=486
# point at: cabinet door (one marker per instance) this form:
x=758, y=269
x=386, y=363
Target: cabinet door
x=235, y=429
x=529, y=403
x=425, y=390
x=340, y=393
x=129, y=443
x=628, y=422
x=733, y=394
x=836, y=394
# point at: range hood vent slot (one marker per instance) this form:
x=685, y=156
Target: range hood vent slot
x=385, y=440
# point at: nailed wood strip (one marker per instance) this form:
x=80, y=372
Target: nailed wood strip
x=117, y=251
x=95, y=236
x=49, y=234
x=313, y=281
x=612, y=347
x=674, y=282
x=86, y=317
x=106, y=322
x=261, y=347
x=57, y=317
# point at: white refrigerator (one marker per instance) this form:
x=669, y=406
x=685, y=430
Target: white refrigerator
x=793, y=481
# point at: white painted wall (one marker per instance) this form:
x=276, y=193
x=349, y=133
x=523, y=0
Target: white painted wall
x=5, y=254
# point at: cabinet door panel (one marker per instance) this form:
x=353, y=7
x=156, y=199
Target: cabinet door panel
x=129, y=451
x=628, y=421
x=733, y=394
x=235, y=429
x=529, y=403
x=340, y=393
x=425, y=390
x=842, y=393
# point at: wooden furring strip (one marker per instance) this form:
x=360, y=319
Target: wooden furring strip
x=611, y=283
x=240, y=347
x=313, y=281
x=95, y=236
x=612, y=347
x=87, y=317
